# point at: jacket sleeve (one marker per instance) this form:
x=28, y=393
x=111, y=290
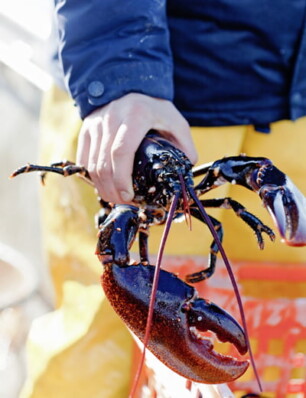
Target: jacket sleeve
x=109, y=48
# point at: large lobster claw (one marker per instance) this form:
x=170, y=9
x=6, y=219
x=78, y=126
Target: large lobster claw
x=285, y=203
x=178, y=318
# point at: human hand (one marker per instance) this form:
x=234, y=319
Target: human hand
x=111, y=135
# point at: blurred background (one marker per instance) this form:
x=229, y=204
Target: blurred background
x=25, y=28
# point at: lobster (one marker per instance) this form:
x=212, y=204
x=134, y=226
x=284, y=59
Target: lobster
x=162, y=310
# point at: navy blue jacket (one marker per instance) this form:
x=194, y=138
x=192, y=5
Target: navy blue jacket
x=221, y=62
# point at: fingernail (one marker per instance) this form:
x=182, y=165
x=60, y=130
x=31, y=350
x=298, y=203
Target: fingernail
x=126, y=196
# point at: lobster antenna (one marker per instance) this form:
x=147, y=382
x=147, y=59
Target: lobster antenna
x=154, y=289
x=232, y=278
x=185, y=202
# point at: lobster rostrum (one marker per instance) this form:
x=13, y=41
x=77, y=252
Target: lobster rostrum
x=164, y=190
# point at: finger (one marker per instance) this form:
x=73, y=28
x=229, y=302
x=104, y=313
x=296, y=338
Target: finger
x=105, y=180
x=95, y=142
x=83, y=147
x=126, y=143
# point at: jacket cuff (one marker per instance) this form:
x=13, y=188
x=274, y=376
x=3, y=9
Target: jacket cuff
x=103, y=86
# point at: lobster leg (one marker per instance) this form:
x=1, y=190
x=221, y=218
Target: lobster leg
x=63, y=168
x=252, y=221
x=212, y=257
x=143, y=247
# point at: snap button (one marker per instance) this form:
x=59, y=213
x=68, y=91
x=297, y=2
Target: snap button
x=96, y=88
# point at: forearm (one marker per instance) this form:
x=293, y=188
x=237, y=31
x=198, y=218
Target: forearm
x=110, y=48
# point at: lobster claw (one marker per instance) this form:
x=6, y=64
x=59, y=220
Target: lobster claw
x=179, y=317
x=287, y=206
x=204, y=315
